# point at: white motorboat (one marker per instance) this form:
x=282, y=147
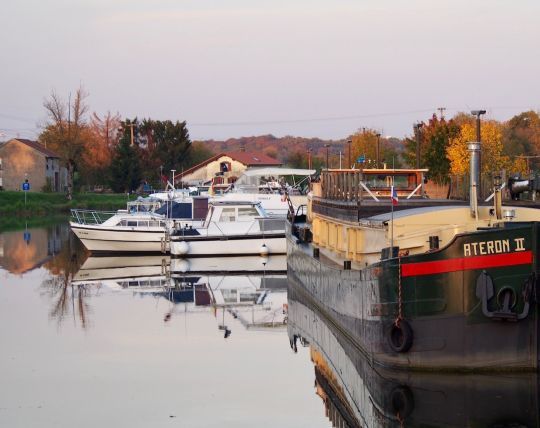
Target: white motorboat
x=231, y=228
x=140, y=228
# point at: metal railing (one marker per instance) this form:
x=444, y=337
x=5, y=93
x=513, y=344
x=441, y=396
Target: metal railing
x=90, y=216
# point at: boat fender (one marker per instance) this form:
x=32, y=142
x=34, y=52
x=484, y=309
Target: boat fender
x=263, y=251
x=182, y=248
x=400, y=336
x=402, y=401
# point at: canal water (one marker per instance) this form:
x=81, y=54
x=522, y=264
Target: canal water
x=148, y=341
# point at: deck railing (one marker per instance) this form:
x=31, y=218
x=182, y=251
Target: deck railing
x=90, y=216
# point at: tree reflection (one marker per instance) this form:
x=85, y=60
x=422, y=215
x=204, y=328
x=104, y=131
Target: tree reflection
x=68, y=299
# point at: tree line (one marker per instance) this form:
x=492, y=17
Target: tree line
x=124, y=153
x=107, y=150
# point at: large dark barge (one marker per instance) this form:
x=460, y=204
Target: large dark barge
x=357, y=394
x=433, y=286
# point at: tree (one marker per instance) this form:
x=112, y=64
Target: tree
x=198, y=153
x=521, y=138
x=99, y=148
x=434, y=139
x=493, y=157
x=125, y=169
x=66, y=131
x=163, y=143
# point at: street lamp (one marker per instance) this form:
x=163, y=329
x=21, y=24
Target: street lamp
x=327, y=145
x=378, y=153
x=417, y=127
x=479, y=113
x=349, y=142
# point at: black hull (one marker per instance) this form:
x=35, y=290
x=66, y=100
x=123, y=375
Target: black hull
x=450, y=329
x=358, y=394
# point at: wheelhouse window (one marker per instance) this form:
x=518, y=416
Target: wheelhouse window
x=228, y=214
x=247, y=213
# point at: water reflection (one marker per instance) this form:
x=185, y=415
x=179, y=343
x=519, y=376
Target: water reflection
x=24, y=250
x=251, y=289
x=356, y=394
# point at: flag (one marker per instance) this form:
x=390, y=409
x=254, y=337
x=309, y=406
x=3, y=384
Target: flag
x=393, y=196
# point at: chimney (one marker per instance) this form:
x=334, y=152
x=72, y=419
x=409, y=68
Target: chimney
x=474, y=150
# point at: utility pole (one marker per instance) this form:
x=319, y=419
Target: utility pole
x=441, y=112
x=327, y=166
x=131, y=125
x=309, y=158
x=417, y=127
x=378, y=150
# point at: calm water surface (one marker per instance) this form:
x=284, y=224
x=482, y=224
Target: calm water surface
x=143, y=341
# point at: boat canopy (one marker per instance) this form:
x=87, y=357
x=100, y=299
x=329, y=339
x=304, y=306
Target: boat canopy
x=253, y=176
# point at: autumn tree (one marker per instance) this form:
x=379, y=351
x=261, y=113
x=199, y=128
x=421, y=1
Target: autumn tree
x=521, y=139
x=66, y=132
x=493, y=157
x=198, y=153
x=99, y=149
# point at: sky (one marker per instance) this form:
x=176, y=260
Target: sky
x=232, y=68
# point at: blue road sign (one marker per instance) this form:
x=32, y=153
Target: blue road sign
x=27, y=236
x=26, y=186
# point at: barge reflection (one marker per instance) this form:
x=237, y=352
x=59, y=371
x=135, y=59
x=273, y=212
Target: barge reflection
x=357, y=394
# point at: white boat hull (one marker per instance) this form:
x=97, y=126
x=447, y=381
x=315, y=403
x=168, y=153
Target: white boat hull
x=120, y=239
x=251, y=245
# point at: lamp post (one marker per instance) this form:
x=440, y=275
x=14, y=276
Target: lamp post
x=417, y=127
x=327, y=145
x=378, y=151
x=479, y=113
x=349, y=142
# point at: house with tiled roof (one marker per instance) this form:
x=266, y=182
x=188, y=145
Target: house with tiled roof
x=225, y=168
x=22, y=159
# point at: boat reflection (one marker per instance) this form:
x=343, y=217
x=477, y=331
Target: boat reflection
x=251, y=289
x=357, y=394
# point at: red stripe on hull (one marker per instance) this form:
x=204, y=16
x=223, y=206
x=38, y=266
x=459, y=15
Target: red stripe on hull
x=466, y=263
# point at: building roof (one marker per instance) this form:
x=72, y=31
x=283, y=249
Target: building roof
x=247, y=158
x=36, y=146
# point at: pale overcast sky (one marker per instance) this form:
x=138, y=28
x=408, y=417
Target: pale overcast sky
x=231, y=68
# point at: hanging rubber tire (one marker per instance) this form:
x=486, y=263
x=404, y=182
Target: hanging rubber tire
x=400, y=337
x=402, y=401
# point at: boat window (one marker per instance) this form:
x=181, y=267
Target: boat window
x=132, y=223
x=247, y=213
x=227, y=214
x=403, y=181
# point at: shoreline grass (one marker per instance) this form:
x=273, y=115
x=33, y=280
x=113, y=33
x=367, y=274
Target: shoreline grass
x=49, y=204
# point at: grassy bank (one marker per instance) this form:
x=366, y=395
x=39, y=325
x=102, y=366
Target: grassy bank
x=50, y=204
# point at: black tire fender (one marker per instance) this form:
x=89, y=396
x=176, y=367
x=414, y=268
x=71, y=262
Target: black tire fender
x=400, y=336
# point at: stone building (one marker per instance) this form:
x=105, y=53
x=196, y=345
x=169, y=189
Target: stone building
x=22, y=159
x=224, y=168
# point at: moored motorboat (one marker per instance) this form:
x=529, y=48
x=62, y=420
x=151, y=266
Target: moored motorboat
x=433, y=286
x=231, y=228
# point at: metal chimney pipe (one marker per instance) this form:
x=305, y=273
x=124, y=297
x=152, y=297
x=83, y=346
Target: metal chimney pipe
x=474, y=151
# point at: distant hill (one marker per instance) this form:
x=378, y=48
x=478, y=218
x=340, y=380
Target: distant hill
x=287, y=148
x=278, y=148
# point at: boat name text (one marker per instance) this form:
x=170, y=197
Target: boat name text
x=498, y=246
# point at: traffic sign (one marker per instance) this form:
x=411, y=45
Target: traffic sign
x=26, y=186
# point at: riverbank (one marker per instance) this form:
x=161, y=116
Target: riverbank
x=12, y=204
